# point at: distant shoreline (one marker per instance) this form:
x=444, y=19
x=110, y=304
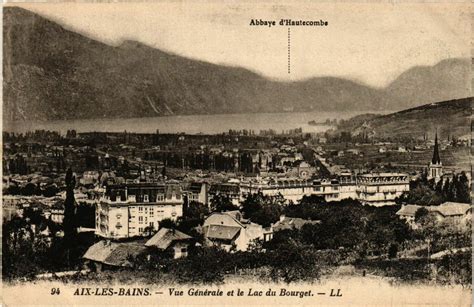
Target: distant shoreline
x=189, y=124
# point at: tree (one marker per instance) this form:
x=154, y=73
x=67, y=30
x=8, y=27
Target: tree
x=421, y=195
x=69, y=221
x=392, y=251
x=447, y=189
x=204, y=266
x=195, y=211
x=50, y=191
x=85, y=215
x=167, y=223
x=293, y=262
x=149, y=230
x=462, y=189
x=263, y=209
x=29, y=189
x=310, y=207
x=420, y=214
x=222, y=203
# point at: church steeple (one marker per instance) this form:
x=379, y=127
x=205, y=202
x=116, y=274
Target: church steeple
x=436, y=159
x=435, y=169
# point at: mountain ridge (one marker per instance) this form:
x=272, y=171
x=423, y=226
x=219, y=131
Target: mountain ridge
x=52, y=73
x=448, y=118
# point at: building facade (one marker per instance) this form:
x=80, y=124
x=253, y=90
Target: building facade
x=198, y=192
x=131, y=210
x=229, y=231
x=372, y=189
x=454, y=215
x=380, y=189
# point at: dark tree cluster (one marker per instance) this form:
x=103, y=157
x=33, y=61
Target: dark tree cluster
x=428, y=192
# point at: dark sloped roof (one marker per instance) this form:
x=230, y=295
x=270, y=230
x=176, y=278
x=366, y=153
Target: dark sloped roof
x=165, y=237
x=222, y=232
x=113, y=253
x=173, y=190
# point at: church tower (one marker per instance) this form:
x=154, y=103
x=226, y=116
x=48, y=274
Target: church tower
x=435, y=169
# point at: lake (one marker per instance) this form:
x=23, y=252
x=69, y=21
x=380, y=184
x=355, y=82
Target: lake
x=190, y=124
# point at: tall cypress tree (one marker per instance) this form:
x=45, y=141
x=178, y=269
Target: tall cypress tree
x=446, y=190
x=463, y=189
x=69, y=208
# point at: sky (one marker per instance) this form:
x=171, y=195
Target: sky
x=368, y=43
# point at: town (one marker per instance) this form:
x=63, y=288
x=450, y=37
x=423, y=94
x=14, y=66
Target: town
x=242, y=202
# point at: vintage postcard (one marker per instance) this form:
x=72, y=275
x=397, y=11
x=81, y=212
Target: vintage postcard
x=207, y=153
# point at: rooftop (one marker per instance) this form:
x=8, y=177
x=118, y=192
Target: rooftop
x=222, y=232
x=445, y=209
x=114, y=253
x=165, y=238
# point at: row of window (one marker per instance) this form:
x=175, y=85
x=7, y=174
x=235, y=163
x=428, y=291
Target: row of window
x=318, y=189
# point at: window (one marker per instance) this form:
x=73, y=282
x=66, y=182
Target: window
x=140, y=219
x=152, y=224
x=184, y=249
x=145, y=198
x=140, y=209
x=140, y=229
x=160, y=197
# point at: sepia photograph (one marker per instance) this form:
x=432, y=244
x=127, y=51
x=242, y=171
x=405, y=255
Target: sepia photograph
x=220, y=153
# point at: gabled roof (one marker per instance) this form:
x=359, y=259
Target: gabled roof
x=451, y=208
x=222, y=232
x=408, y=210
x=226, y=217
x=113, y=253
x=445, y=209
x=166, y=237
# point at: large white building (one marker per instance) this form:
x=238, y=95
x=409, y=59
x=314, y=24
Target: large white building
x=130, y=210
x=373, y=189
x=381, y=189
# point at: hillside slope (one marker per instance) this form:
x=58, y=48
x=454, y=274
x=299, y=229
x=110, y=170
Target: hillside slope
x=51, y=73
x=449, y=118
